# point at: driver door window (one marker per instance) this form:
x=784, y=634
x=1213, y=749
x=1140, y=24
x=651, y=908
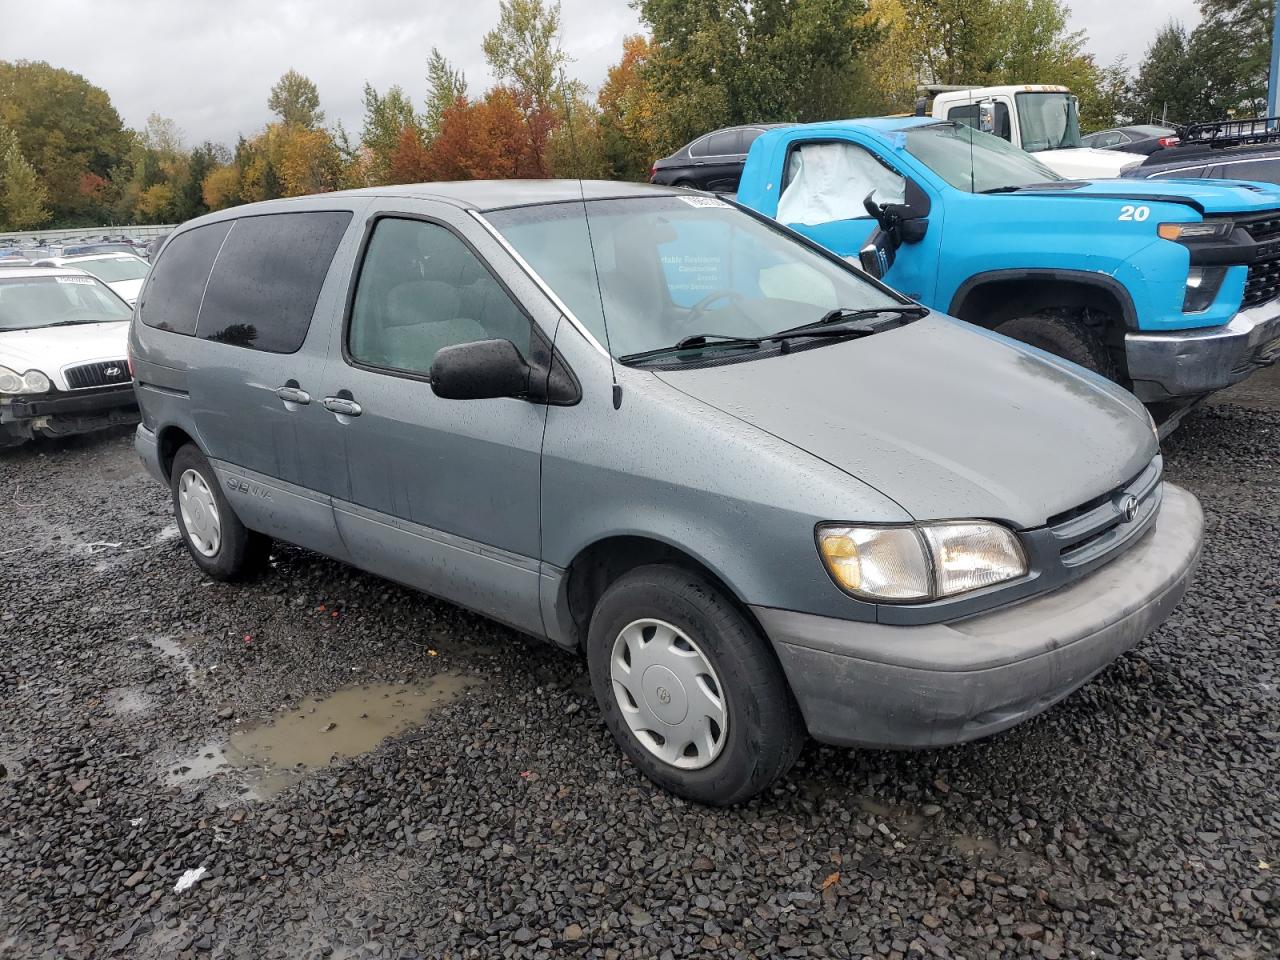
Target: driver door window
x=421, y=289
x=827, y=182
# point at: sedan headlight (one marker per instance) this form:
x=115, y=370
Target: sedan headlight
x=33, y=381
x=911, y=564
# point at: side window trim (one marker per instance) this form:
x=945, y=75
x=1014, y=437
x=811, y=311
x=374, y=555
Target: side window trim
x=209, y=276
x=371, y=226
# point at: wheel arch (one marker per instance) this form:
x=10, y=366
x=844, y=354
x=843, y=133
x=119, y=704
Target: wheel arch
x=169, y=441
x=988, y=299
x=602, y=562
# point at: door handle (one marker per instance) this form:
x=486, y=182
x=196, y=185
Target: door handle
x=293, y=394
x=343, y=406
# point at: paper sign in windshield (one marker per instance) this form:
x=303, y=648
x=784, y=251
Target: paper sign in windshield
x=704, y=202
x=87, y=280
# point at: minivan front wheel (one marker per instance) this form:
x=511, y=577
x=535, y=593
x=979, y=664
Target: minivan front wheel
x=689, y=687
x=222, y=546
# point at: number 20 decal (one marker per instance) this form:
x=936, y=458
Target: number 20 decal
x=1130, y=212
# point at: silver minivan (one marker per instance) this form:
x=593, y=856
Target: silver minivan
x=762, y=493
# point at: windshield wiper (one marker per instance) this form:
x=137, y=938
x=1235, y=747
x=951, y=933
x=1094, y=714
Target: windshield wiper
x=1001, y=190
x=67, y=323
x=691, y=341
x=846, y=314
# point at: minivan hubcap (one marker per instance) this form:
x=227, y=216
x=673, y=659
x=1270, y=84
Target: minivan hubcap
x=669, y=694
x=199, y=513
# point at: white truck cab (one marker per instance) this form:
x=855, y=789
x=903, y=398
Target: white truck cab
x=1040, y=118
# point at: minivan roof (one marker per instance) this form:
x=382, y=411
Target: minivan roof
x=482, y=195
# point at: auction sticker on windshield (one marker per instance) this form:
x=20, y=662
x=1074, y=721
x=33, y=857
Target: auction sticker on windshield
x=86, y=280
x=704, y=202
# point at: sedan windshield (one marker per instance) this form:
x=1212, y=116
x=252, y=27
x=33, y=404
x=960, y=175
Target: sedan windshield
x=27, y=303
x=671, y=269
x=974, y=161
x=114, y=269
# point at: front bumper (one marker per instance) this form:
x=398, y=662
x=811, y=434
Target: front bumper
x=61, y=414
x=1190, y=363
x=896, y=687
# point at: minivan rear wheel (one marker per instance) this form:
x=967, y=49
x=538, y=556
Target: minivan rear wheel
x=689, y=687
x=1065, y=337
x=222, y=546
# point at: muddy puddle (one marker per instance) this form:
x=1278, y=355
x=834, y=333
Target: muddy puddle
x=267, y=758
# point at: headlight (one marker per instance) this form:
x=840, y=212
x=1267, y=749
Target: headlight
x=33, y=381
x=920, y=563
x=1206, y=230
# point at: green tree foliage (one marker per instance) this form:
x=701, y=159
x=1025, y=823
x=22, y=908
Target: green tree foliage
x=385, y=118
x=1168, y=84
x=1236, y=37
x=445, y=87
x=22, y=195
x=69, y=132
x=523, y=51
x=720, y=62
x=295, y=99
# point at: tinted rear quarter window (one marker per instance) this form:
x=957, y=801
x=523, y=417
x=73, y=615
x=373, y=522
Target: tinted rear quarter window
x=172, y=297
x=1266, y=170
x=267, y=279
x=722, y=144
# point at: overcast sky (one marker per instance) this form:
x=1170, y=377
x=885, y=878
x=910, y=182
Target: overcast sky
x=209, y=65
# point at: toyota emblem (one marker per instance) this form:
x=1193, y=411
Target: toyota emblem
x=1129, y=508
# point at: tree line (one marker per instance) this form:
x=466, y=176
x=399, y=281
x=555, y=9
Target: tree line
x=66, y=158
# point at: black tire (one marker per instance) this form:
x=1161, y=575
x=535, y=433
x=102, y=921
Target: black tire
x=1065, y=337
x=242, y=552
x=764, y=730
x=686, y=184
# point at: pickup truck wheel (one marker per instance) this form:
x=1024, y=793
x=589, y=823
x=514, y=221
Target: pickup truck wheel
x=1065, y=337
x=689, y=688
x=222, y=546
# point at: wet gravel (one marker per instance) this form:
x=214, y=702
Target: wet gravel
x=1140, y=818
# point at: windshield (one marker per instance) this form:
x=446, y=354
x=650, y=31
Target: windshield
x=113, y=269
x=671, y=267
x=1049, y=121
x=30, y=302
x=974, y=161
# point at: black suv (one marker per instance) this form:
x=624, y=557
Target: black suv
x=1223, y=150
x=713, y=161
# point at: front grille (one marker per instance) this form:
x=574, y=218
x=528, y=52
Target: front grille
x=1262, y=283
x=1266, y=228
x=1092, y=531
x=103, y=373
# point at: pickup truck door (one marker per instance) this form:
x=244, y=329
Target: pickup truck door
x=823, y=188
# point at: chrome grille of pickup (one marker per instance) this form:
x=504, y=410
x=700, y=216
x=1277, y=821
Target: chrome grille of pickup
x=1090, y=532
x=103, y=373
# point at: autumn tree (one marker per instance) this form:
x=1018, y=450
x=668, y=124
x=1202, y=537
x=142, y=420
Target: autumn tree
x=22, y=195
x=629, y=111
x=446, y=85
x=307, y=161
x=69, y=133
x=295, y=99
x=221, y=187
x=576, y=147
x=410, y=161
x=485, y=140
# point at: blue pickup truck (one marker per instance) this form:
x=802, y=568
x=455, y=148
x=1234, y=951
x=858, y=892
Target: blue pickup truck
x=1169, y=287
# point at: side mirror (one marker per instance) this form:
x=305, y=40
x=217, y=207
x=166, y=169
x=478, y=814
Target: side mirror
x=483, y=370
x=906, y=222
x=987, y=116
x=877, y=255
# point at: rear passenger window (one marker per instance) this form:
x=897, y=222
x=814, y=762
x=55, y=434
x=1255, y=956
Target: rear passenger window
x=173, y=292
x=421, y=289
x=267, y=279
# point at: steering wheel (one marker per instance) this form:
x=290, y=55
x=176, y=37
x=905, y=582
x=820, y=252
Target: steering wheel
x=703, y=305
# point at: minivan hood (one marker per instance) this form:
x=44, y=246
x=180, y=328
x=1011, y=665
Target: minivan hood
x=49, y=349
x=1212, y=196
x=945, y=418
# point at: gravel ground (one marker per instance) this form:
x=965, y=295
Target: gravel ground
x=1140, y=818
